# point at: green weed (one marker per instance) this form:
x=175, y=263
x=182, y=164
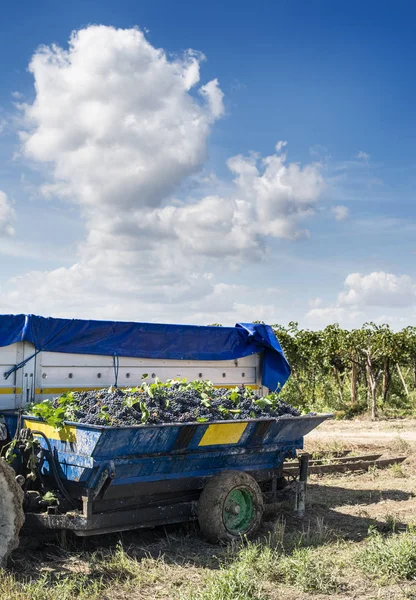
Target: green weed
x=50, y=587
x=396, y=470
x=308, y=570
x=237, y=582
x=391, y=523
x=389, y=558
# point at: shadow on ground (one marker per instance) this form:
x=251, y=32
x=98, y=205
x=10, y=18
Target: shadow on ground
x=183, y=544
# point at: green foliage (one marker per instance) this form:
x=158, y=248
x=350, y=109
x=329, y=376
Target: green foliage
x=308, y=570
x=48, y=413
x=50, y=498
x=238, y=581
x=145, y=411
x=57, y=412
x=103, y=414
x=10, y=454
x=396, y=470
x=389, y=559
x=50, y=587
x=234, y=394
x=30, y=455
x=349, y=372
x=134, y=397
x=55, y=416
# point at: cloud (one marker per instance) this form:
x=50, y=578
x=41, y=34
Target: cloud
x=7, y=216
x=322, y=316
x=340, y=212
x=366, y=298
x=378, y=289
x=214, y=97
x=315, y=302
x=121, y=127
x=281, y=195
x=116, y=120
x=363, y=156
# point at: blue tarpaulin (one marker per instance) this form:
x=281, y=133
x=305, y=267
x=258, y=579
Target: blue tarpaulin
x=150, y=340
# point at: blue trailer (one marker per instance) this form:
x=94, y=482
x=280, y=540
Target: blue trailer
x=118, y=478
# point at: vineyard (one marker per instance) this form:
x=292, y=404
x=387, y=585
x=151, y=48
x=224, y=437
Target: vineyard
x=351, y=372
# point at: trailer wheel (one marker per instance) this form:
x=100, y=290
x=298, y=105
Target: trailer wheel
x=11, y=511
x=230, y=506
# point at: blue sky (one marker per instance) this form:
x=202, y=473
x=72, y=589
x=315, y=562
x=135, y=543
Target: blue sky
x=334, y=80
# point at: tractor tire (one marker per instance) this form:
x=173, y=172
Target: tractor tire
x=230, y=507
x=11, y=511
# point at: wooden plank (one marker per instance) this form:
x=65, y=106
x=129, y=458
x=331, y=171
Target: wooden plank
x=387, y=462
x=331, y=453
x=345, y=459
x=345, y=467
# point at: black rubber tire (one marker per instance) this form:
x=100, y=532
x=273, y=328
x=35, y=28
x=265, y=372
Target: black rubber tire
x=212, y=500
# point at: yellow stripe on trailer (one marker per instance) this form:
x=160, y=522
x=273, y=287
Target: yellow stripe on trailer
x=223, y=433
x=66, y=434
x=10, y=390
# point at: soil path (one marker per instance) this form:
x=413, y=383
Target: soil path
x=365, y=431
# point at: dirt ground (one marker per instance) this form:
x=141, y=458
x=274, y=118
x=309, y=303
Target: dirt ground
x=354, y=500
x=175, y=563
x=362, y=431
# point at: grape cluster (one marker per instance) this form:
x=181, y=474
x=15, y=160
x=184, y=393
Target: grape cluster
x=175, y=403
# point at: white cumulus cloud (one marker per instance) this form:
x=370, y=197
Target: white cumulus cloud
x=366, y=298
x=119, y=127
x=378, y=289
x=340, y=212
x=115, y=118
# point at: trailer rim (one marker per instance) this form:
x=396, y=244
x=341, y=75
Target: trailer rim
x=238, y=511
x=231, y=505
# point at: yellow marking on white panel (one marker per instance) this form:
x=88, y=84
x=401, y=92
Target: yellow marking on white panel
x=66, y=434
x=223, y=433
x=10, y=390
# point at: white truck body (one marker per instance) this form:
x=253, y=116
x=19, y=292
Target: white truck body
x=49, y=374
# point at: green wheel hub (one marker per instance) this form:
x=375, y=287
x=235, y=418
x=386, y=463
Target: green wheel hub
x=238, y=511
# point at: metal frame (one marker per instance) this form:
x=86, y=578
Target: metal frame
x=159, y=503
x=11, y=388
x=300, y=498
x=149, y=509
